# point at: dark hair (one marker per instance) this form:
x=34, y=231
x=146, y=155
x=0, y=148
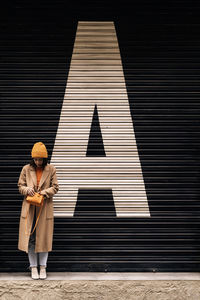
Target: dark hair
x=45, y=161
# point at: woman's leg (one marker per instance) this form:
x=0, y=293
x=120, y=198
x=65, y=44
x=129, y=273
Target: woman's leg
x=43, y=258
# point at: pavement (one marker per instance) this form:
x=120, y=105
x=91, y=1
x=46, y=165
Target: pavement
x=106, y=276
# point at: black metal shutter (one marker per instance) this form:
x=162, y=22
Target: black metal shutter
x=159, y=45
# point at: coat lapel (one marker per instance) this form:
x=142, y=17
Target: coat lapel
x=45, y=173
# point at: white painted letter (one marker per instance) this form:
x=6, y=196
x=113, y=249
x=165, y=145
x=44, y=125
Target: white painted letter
x=96, y=77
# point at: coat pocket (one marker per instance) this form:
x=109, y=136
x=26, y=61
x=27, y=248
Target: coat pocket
x=49, y=211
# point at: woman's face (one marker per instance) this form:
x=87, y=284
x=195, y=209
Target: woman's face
x=38, y=161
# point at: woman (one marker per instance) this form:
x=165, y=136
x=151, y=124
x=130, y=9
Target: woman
x=38, y=176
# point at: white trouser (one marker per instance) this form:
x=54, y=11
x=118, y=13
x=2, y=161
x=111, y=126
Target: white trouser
x=33, y=257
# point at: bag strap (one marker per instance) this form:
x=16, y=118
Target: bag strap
x=36, y=220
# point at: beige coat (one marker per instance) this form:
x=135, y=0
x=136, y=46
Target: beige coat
x=48, y=186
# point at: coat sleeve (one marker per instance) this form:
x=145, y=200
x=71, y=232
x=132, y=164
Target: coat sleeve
x=22, y=185
x=49, y=192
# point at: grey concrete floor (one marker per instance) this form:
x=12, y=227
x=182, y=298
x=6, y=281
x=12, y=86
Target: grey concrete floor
x=106, y=276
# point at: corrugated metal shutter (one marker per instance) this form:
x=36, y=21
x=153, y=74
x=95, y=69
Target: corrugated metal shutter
x=159, y=47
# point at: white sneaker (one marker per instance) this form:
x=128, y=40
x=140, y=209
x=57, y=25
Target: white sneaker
x=34, y=273
x=43, y=274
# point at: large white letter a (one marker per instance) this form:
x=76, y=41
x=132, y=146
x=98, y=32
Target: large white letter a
x=96, y=78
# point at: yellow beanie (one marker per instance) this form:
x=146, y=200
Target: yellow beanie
x=39, y=150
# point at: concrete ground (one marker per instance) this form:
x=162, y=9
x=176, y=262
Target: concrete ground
x=101, y=286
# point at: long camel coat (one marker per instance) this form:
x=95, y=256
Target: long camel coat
x=48, y=186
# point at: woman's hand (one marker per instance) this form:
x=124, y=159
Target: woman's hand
x=31, y=192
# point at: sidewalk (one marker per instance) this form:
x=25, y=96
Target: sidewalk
x=106, y=276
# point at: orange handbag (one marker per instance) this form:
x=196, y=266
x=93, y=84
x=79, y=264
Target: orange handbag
x=36, y=200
